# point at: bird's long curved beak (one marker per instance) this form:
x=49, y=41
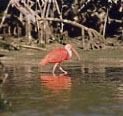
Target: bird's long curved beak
x=76, y=53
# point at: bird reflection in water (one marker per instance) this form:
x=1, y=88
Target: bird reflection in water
x=58, y=87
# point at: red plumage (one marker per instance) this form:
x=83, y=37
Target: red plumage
x=55, y=56
x=59, y=55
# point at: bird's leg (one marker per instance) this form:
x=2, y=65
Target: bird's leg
x=65, y=72
x=54, y=68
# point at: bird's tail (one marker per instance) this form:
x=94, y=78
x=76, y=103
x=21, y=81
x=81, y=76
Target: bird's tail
x=43, y=62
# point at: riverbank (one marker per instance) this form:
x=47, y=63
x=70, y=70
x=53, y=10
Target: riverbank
x=8, y=43
x=105, y=56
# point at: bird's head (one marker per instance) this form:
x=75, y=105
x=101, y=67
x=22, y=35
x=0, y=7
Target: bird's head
x=70, y=47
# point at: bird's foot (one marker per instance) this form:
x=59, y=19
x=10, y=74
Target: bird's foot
x=64, y=72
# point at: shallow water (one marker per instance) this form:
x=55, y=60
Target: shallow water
x=91, y=87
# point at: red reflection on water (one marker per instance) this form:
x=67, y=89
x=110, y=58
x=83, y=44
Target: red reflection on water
x=59, y=87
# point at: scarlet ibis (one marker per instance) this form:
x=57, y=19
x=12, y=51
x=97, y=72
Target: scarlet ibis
x=58, y=55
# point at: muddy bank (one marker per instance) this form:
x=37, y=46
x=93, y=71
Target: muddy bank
x=33, y=57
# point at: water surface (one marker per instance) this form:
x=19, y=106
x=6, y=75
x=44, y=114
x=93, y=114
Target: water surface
x=92, y=87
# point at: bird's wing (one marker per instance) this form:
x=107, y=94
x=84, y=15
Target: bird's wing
x=57, y=56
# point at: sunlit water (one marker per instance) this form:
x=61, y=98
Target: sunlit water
x=89, y=89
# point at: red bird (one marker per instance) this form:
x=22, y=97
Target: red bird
x=58, y=55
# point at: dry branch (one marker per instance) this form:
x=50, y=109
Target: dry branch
x=72, y=23
x=4, y=16
x=95, y=37
x=66, y=21
x=32, y=47
x=106, y=19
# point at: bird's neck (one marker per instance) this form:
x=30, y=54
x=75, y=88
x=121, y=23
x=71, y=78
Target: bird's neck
x=69, y=52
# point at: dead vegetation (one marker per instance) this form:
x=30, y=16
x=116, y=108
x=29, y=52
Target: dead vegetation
x=46, y=21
